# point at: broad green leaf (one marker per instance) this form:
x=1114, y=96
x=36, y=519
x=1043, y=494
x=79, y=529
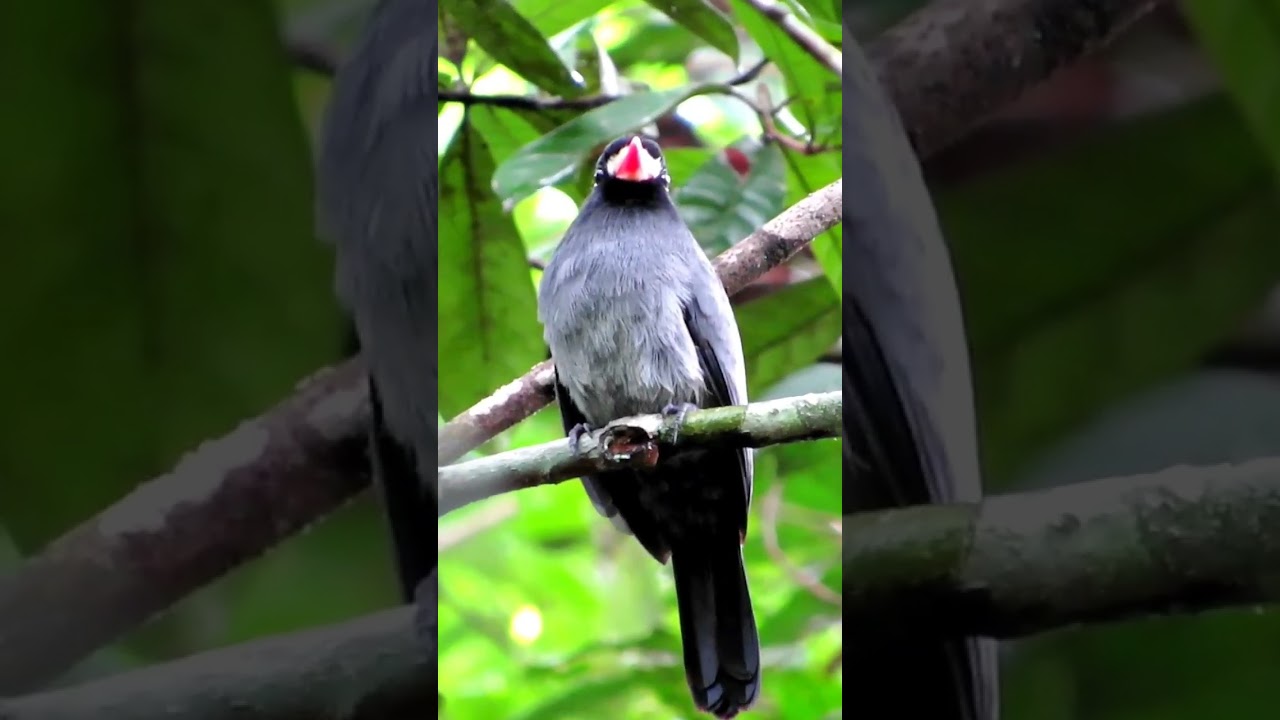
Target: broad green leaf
x=702, y=20
x=555, y=156
x=1243, y=38
x=786, y=330
x=806, y=175
x=814, y=91
x=510, y=39
x=159, y=277
x=655, y=43
x=721, y=207
x=683, y=164
x=1076, y=298
x=489, y=331
x=823, y=15
x=504, y=131
x=591, y=60
x=552, y=17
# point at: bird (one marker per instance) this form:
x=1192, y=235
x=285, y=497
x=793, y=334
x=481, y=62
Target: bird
x=910, y=435
x=638, y=322
x=376, y=203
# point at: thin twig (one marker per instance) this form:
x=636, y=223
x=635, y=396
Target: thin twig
x=770, y=509
x=449, y=536
x=543, y=104
x=766, y=115
x=806, y=37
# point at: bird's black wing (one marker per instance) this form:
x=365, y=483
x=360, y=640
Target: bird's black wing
x=409, y=509
x=910, y=434
x=887, y=471
x=711, y=324
x=571, y=416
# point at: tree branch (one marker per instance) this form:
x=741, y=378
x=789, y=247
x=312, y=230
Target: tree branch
x=1179, y=541
x=372, y=668
x=803, y=35
x=544, y=104
x=762, y=250
x=221, y=505
x=952, y=63
x=1182, y=540
x=636, y=442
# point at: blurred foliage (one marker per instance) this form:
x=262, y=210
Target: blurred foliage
x=162, y=280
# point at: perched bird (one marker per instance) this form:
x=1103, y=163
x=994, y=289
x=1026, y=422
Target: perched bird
x=376, y=197
x=910, y=432
x=638, y=322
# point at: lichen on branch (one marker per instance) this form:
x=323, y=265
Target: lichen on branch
x=639, y=442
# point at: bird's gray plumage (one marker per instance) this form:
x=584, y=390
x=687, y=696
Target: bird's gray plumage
x=637, y=320
x=908, y=396
x=376, y=201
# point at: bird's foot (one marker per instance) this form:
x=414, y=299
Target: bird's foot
x=575, y=435
x=677, y=412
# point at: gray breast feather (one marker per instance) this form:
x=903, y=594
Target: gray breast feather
x=619, y=343
x=613, y=312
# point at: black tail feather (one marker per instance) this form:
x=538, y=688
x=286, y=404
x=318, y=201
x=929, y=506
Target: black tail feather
x=914, y=677
x=409, y=510
x=717, y=625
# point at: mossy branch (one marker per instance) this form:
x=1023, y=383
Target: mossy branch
x=639, y=442
x=1181, y=540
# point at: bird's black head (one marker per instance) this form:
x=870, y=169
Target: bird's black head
x=632, y=169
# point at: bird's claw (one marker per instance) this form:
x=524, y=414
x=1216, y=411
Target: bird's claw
x=575, y=435
x=677, y=412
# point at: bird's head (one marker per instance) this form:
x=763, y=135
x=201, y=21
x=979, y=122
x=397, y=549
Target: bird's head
x=632, y=166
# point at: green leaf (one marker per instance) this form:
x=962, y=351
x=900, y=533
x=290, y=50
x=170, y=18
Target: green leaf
x=721, y=207
x=555, y=156
x=655, y=43
x=683, y=163
x=1076, y=298
x=504, y=131
x=787, y=330
x=702, y=20
x=513, y=41
x=551, y=17
x=159, y=280
x=591, y=60
x=1243, y=38
x=807, y=174
x=489, y=332
x=814, y=93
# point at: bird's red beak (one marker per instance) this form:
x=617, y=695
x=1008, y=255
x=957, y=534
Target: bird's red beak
x=630, y=167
